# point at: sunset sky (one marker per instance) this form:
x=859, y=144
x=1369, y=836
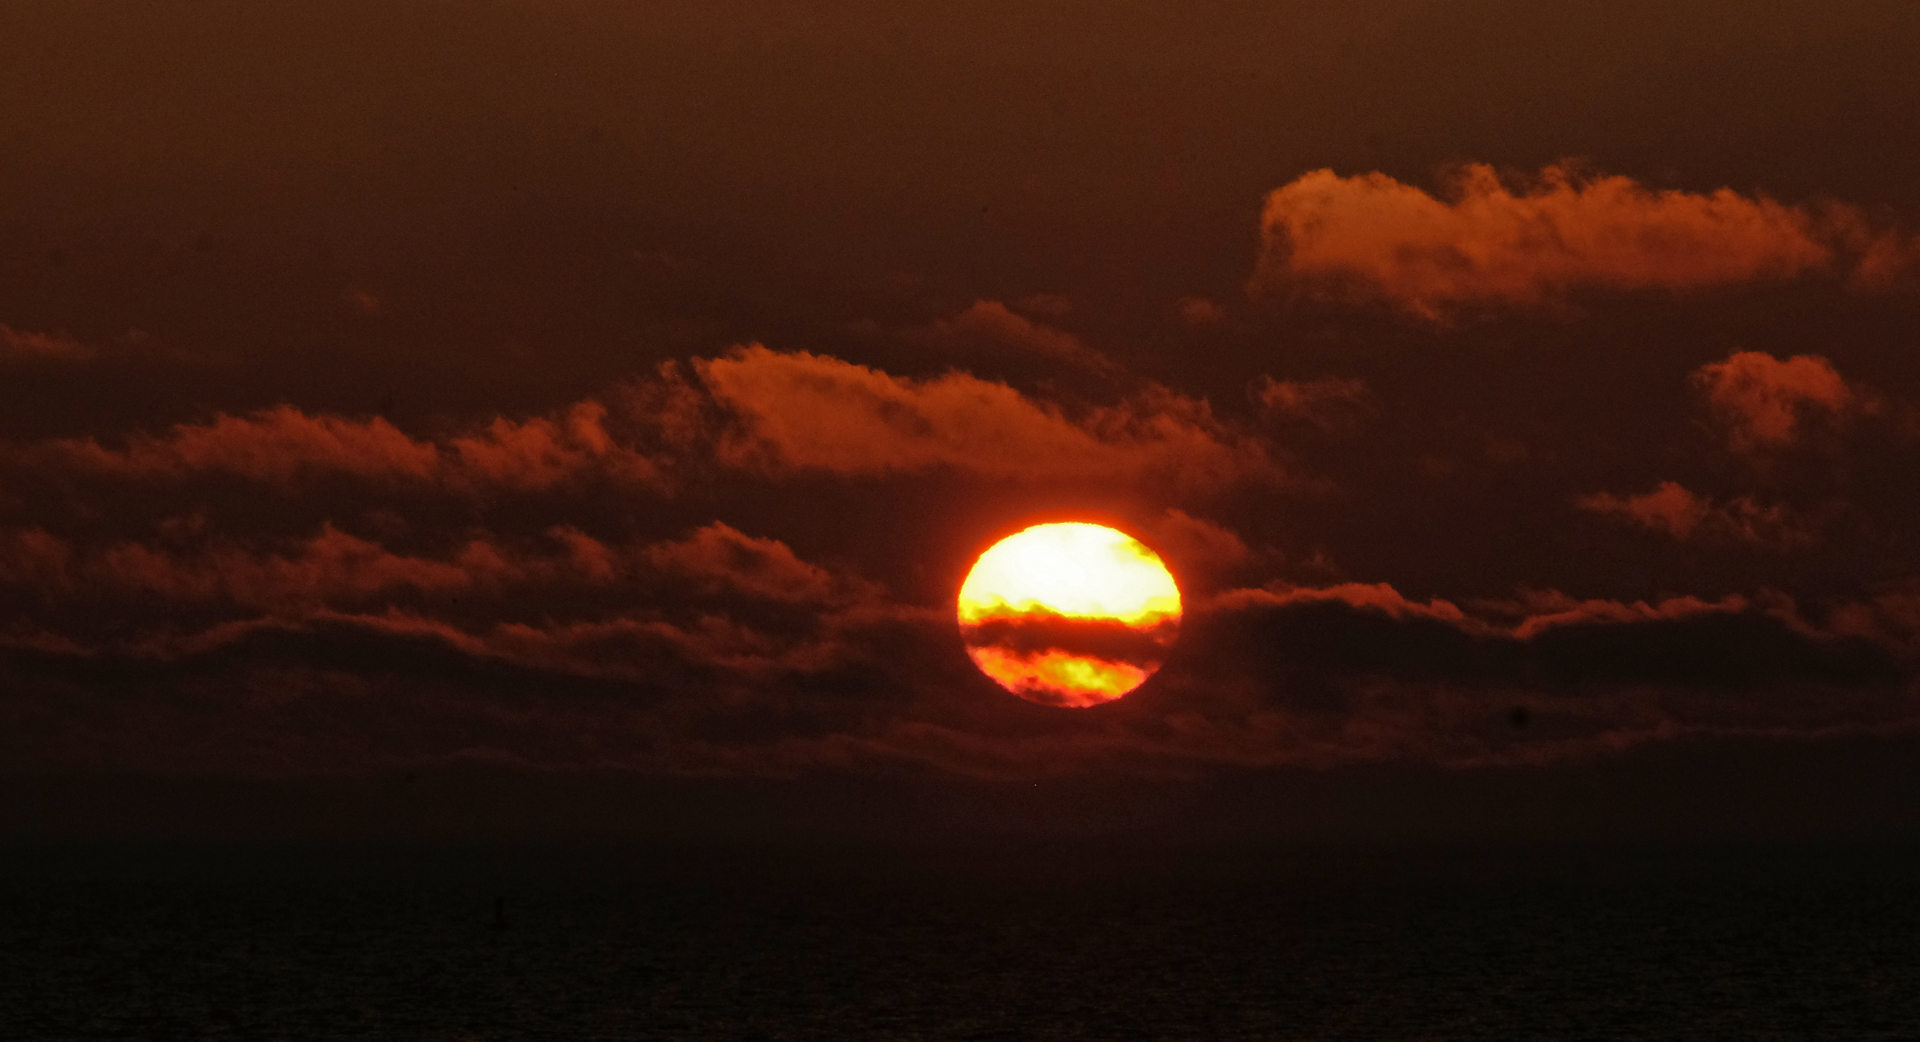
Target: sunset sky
x=570, y=417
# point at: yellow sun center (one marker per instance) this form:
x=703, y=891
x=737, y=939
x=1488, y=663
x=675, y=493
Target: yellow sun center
x=1069, y=614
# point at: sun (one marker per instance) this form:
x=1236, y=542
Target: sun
x=1069, y=614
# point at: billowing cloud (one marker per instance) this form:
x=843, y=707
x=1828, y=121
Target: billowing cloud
x=21, y=346
x=804, y=412
x=542, y=453
x=1763, y=402
x=1483, y=243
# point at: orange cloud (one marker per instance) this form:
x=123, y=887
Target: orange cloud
x=271, y=445
x=720, y=557
x=809, y=412
x=1672, y=510
x=18, y=345
x=334, y=567
x=542, y=453
x=753, y=409
x=1543, y=610
x=1484, y=244
x=283, y=444
x=1186, y=541
x=1766, y=403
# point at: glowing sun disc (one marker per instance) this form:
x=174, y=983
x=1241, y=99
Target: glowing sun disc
x=1069, y=614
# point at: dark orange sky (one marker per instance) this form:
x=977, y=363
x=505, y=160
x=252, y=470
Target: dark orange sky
x=567, y=404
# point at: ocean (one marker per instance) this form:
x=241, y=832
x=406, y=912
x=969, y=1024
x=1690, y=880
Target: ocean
x=994, y=940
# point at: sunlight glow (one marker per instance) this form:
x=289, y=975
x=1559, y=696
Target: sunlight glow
x=1071, y=568
x=1042, y=583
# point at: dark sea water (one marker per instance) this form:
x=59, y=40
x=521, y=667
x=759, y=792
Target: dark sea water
x=1005, y=942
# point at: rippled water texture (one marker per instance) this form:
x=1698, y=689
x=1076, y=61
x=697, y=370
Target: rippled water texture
x=1761, y=944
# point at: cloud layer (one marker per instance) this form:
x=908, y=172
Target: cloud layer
x=1486, y=244
x=740, y=562
x=754, y=410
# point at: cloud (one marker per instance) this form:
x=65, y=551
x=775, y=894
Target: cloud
x=35, y=558
x=804, y=412
x=1360, y=673
x=719, y=557
x=1890, y=616
x=1764, y=402
x=1372, y=597
x=1330, y=403
x=1483, y=244
x=988, y=327
x=271, y=445
x=284, y=444
x=1669, y=509
x=1673, y=511
x=330, y=566
x=1548, y=641
x=542, y=453
x=1190, y=543
x=1887, y=261
x=1298, y=676
x=334, y=567
x=321, y=690
x=20, y=347
x=1199, y=311
x=754, y=410
x=1535, y=611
